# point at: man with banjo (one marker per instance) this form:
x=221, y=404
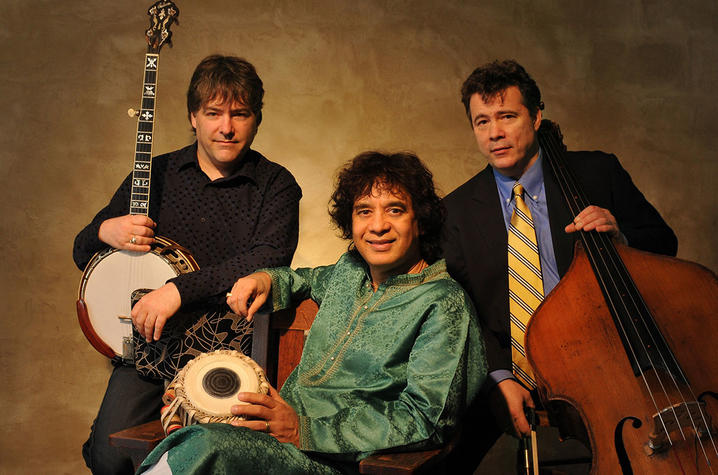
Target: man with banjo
x=232, y=208
x=503, y=104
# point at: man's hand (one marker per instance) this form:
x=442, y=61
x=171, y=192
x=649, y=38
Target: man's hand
x=271, y=414
x=515, y=398
x=150, y=314
x=595, y=218
x=249, y=294
x=121, y=231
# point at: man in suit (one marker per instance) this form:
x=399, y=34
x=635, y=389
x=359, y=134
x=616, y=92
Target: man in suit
x=503, y=104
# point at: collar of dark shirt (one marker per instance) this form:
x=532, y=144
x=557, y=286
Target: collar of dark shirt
x=247, y=167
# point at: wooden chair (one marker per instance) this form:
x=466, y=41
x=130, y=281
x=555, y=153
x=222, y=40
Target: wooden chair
x=282, y=333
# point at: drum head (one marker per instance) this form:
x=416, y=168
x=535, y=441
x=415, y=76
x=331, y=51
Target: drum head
x=213, y=380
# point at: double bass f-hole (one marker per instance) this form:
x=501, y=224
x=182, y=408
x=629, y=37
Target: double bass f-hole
x=629, y=350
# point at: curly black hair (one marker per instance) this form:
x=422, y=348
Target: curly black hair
x=494, y=78
x=402, y=173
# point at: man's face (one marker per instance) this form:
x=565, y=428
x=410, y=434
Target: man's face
x=505, y=131
x=385, y=232
x=224, y=133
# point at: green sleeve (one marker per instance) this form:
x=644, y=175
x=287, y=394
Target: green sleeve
x=289, y=287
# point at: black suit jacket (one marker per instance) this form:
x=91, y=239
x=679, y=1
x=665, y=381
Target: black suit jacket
x=475, y=244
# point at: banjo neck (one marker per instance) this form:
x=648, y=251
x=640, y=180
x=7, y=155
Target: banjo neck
x=162, y=14
x=142, y=166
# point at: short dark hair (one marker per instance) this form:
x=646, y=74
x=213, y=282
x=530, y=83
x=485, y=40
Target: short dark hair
x=402, y=173
x=227, y=78
x=494, y=78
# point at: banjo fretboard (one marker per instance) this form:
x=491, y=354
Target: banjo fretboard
x=141, y=171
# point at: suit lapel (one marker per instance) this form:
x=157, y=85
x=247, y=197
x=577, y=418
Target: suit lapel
x=488, y=212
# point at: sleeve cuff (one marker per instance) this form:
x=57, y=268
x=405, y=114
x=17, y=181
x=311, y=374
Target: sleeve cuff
x=494, y=378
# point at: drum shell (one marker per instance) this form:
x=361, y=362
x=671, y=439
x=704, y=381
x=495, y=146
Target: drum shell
x=184, y=403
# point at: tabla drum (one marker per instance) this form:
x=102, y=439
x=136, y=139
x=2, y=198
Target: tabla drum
x=207, y=387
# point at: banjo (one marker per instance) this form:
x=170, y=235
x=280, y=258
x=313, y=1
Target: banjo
x=112, y=275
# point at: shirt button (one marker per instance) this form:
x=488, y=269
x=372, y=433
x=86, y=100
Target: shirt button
x=332, y=358
x=202, y=219
x=366, y=306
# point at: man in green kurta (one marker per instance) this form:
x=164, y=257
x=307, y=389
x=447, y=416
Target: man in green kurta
x=393, y=357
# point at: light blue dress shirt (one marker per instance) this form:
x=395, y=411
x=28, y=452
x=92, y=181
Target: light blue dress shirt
x=535, y=197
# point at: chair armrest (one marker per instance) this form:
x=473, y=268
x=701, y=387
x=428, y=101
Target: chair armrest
x=421, y=461
x=401, y=463
x=138, y=441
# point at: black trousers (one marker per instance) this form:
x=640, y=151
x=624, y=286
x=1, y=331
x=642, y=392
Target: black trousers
x=129, y=400
x=479, y=432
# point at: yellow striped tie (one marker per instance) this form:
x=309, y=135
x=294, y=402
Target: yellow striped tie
x=525, y=283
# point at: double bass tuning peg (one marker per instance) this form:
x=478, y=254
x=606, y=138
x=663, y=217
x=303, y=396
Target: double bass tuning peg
x=132, y=113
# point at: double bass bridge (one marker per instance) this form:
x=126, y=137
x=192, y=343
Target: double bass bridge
x=679, y=421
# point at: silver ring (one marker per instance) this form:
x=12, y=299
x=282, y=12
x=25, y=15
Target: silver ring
x=133, y=240
x=266, y=429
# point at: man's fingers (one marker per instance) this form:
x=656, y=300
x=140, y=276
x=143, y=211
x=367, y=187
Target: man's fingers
x=242, y=299
x=138, y=320
x=521, y=425
x=251, y=411
x=245, y=301
x=256, y=305
x=257, y=399
x=159, y=326
x=141, y=220
x=148, y=328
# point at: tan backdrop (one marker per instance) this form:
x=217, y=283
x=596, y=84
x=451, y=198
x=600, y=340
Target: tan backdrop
x=637, y=78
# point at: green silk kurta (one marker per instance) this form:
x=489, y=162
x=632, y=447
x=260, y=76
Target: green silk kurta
x=380, y=369
x=387, y=369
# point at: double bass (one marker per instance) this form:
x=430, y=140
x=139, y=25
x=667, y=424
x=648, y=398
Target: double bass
x=624, y=350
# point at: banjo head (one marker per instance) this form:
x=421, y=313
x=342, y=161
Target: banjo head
x=108, y=282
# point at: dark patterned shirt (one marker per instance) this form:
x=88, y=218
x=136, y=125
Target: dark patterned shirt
x=232, y=226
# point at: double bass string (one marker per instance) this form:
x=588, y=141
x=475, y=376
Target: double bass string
x=594, y=243
x=640, y=308
x=576, y=202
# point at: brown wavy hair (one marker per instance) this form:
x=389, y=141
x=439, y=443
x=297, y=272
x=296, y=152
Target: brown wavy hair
x=227, y=78
x=402, y=173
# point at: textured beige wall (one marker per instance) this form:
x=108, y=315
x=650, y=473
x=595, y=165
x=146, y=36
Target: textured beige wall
x=635, y=77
